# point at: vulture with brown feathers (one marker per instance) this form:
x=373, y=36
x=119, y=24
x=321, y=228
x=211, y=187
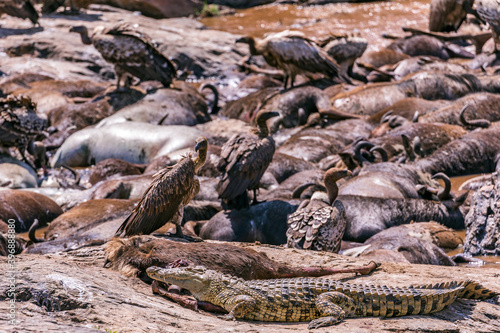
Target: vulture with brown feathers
x=244, y=159
x=489, y=11
x=293, y=53
x=19, y=8
x=319, y=223
x=20, y=125
x=448, y=15
x=50, y=6
x=131, y=52
x=164, y=200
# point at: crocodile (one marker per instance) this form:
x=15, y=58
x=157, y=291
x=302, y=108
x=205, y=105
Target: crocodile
x=321, y=301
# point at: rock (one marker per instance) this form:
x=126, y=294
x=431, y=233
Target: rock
x=72, y=292
x=482, y=236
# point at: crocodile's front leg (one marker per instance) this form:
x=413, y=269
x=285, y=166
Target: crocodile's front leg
x=238, y=306
x=333, y=308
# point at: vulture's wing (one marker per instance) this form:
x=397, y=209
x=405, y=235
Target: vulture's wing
x=303, y=54
x=170, y=190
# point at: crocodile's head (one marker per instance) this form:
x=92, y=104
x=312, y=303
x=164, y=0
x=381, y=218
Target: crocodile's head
x=196, y=279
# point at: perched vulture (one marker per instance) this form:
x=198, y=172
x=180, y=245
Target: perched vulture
x=448, y=15
x=19, y=8
x=319, y=223
x=244, y=159
x=345, y=51
x=131, y=52
x=19, y=123
x=489, y=11
x=50, y=6
x=293, y=53
x=164, y=200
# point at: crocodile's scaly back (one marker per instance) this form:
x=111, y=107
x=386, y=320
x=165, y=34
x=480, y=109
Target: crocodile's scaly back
x=470, y=289
x=324, y=301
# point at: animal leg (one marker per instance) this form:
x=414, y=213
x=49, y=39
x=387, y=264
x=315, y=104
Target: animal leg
x=333, y=307
x=254, y=200
x=178, y=228
x=119, y=75
x=185, y=301
x=240, y=305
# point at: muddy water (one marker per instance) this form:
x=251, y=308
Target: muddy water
x=369, y=20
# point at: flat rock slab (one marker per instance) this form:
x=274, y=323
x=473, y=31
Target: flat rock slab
x=72, y=292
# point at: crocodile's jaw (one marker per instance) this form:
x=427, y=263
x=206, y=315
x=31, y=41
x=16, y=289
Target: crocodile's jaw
x=194, y=279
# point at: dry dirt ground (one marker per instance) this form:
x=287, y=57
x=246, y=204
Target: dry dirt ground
x=72, y=292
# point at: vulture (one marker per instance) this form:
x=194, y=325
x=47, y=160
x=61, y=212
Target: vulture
x=345, y=51
x=131, y=52
x=50, y=6
x=20, y=125
x=448, y=15
x=293, y=53
x=172, y=188
x=319, y=223
x=244, y=159
x=19, y=8
x=489, y=11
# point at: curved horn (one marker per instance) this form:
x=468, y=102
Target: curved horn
x=385, y=117
x=215, y=105
x=32, y=230
x=483, y=123
x=383, y=153
x=163, y=119
x=444, y=193
x=416, y=115
x=73, y=171
x=417, y=146
x=410, y=154
x=357, y=151
x=396, y=121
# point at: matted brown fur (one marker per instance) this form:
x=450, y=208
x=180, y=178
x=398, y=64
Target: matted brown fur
x=134, y=255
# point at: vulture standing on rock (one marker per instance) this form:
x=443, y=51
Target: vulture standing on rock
x=319, y=223
x=293, y=53
x=244, y=159
x=448, y=15
x=19, y=8
x=164, y=200
x=131, y=52
x=489, y=11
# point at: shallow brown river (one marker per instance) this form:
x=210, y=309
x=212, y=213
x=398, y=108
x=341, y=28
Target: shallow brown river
x=369, y=20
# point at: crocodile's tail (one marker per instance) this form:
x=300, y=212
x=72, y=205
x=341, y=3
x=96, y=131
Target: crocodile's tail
x=469, y=289
x=474, y=290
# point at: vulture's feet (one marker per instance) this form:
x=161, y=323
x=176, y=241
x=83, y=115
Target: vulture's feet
x=185, y=237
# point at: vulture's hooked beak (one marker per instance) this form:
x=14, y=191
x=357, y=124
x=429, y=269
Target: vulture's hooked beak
x=197, y=147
